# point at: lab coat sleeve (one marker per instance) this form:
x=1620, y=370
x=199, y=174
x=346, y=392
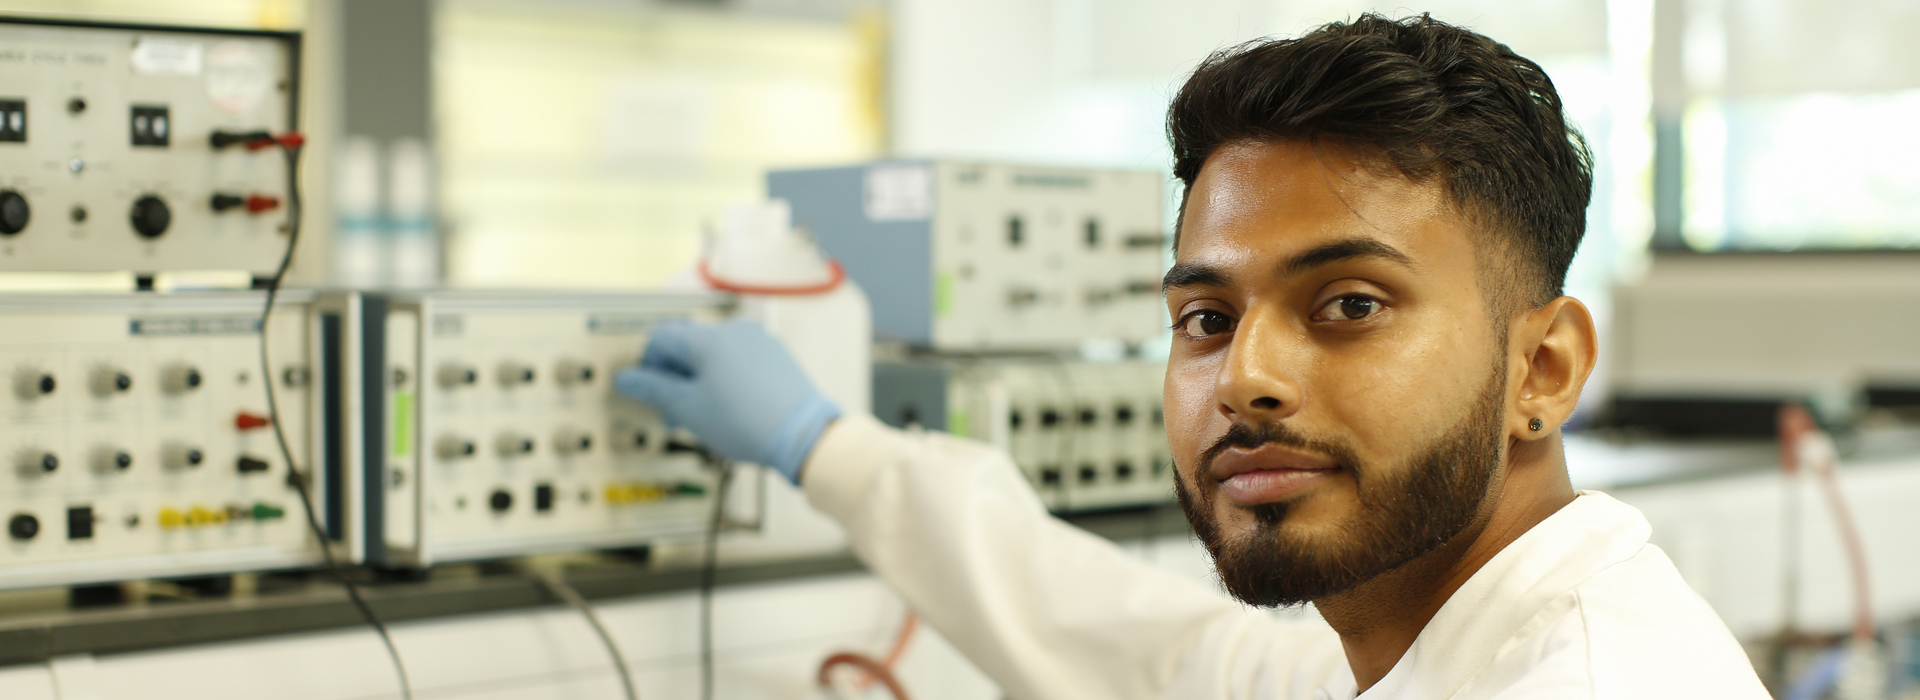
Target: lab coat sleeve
x=1046, y=609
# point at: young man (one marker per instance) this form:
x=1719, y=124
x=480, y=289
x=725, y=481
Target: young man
x=1371, y=361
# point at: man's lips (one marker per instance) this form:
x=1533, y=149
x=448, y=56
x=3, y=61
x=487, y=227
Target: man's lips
x=1268, y=473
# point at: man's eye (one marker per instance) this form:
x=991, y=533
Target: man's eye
x=1351, y=307
x=1201, y=324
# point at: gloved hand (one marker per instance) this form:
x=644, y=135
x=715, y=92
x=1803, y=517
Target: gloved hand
x=735, y=387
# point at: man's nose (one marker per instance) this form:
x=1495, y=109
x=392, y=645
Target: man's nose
x=1259, y=382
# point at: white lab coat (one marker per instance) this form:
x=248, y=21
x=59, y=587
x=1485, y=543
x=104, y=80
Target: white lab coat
x=1581, y=606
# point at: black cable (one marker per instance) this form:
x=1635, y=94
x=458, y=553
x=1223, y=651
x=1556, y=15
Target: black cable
x=294, y=476
x=565, y=592
x=708, y=571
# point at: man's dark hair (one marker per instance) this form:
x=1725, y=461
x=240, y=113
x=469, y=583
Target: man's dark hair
x=1426, y=99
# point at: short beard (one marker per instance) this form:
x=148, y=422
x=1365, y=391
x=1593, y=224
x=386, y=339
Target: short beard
x=1403, y=514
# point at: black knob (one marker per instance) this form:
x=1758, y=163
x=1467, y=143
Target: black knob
x=77, y=105
x=500, y=501
x=122, y=382
x=23, y=526
x=49, y=462
x=14, y=212
x=151, y=217
x=122, y=460
x=45, y=384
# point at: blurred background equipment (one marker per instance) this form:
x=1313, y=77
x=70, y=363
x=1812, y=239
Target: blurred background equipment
x=1023, y=299
x=1089, y=436
x=970, y=257
x=1706, y=345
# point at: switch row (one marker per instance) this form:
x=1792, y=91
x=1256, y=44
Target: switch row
x=454, y=375
x=1123, y=414
x=1089, y=474
x=515, y=444
x=175, y=456
x=180, y=379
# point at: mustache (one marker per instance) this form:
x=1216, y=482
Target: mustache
x=1251, y=436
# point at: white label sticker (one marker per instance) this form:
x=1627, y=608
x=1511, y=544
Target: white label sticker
x=152, y=56
x=238, y=78
x=899, y=192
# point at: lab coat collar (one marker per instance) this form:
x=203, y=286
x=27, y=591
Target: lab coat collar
x=1537, y=571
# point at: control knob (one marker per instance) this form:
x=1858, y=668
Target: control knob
x=151, y=217
x=23, y=526
x=14, y=212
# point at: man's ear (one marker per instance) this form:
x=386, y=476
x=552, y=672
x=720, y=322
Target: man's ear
x=1560, y=346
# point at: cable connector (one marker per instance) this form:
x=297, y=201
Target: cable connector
x=256, y=140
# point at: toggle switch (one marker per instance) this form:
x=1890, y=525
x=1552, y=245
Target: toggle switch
x=574, y=372
x=454, y=447
x=39, y=462
x=112, y=459
x=452, y=375
x=250, y=465
x=181, y=378
x=515, y=374
x=108, y=381
x=572, y=442
x=32, y=384
x=184, y=456
x=250, y=421
x=513, y=445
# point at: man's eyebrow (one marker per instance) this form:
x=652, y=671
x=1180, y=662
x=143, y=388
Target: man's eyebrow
x=1192, y=275
x=1200, y=275
x=1348, y=249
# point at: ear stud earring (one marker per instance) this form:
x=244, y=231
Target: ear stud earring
x=1534, y=424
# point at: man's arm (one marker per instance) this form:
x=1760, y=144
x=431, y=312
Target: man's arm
x=1046, y=609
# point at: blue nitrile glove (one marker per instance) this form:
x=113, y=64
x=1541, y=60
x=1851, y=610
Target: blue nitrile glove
x=736, y=388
